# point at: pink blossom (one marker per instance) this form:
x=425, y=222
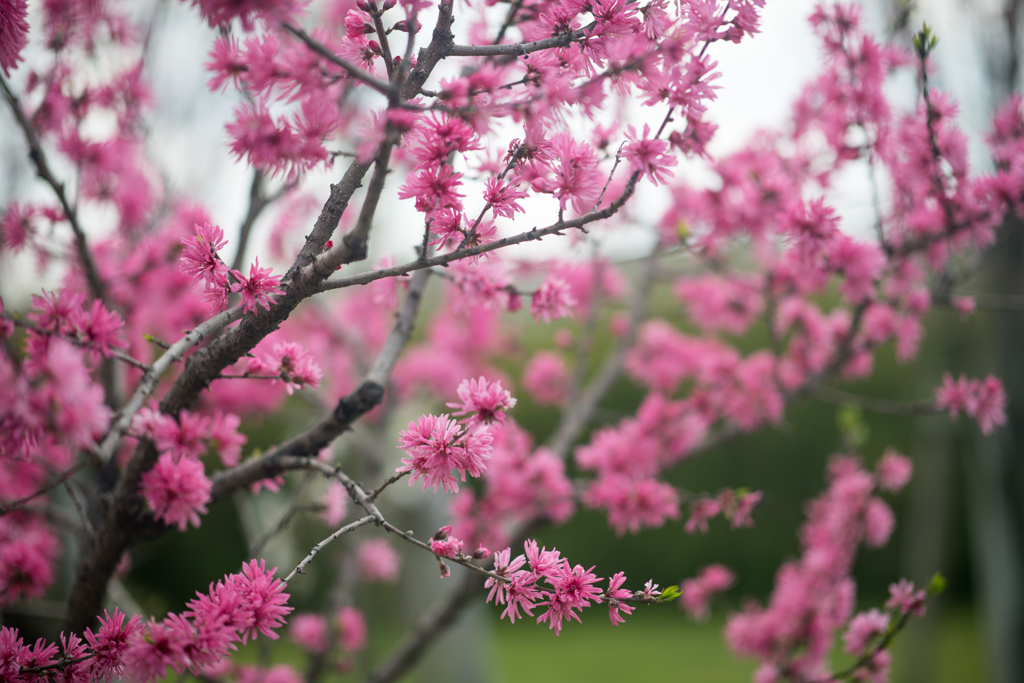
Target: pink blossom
x=701, y=510
x=335, y=503
x=503, y=197
x=162, y=646
x=904, y=597
x=377, y=561
x=447, y=547
x=185, y=438
x=225, y=439
x=879, y=522
x=439, y=135
x=648, y=156
x=199, y=255
x=352, y=628
x=55, y=311
x=226, y=63
x=632, y=505
x=745, y=504
x=573, y=589
x=546, y=378
x=176, y=490
x=893, y=471
x=485, y=402
x=864, y=628
x=698, y=591
x=220, y=12
x=983, y=400
x=257, y=288
x=575, y=177
x=436, y=447
x=29, y=550
x=13, y=33
x=434, y=187
x=614, y=595
x=310, y=632
x=293, y=364
x=504, y=567
x=716, y=303
x=964, y=305
x=552, y=300
x=264, y=596
x=989, y=407
x=110, y=643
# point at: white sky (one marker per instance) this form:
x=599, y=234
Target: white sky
x=760, y=79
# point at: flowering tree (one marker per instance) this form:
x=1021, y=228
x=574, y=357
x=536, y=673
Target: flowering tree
x=501, y=123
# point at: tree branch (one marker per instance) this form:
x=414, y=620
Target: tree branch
x=38, y=156
x=528, y=236
x=364, y=398
x=520, y=49
x=351, y=69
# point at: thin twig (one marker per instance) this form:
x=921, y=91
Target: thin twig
x=874, y=405
x=64, y=476
x=348, y=528
x=530, y=235
x=257, y=202
x=354, y=71
x=147, y=385
x=364, y=398
x=38, y=156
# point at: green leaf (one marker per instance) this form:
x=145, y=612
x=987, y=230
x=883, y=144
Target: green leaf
x=852, y=427
x=925, y=41
x=670, y=593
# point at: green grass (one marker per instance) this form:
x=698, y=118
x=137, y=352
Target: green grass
x=657, y=647
x=648, y=647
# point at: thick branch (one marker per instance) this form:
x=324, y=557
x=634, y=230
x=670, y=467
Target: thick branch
x=363, y=399
x=275, y=461
x=353, y=246
x=154, y=372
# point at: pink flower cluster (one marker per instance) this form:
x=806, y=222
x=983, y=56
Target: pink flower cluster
x=29, y=549
x=984, y=400
x=377, y=561
x=552, y=584
x=521, y=483
x=241, y=606
x=13, y=33
x=814, y=596
x=736, y=506
x=698, y=591
x=54, y=408
x=313, y=633
x=289, y=361
x=628, y=458
x=437, y=446
x=177, y=488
